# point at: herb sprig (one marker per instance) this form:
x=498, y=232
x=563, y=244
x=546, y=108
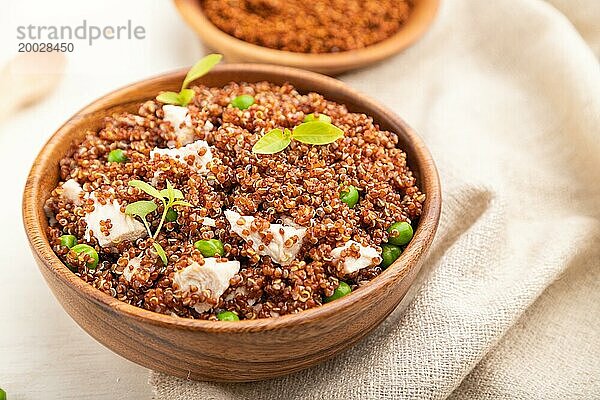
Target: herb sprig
x=317, y=132
x=169, y=197
x=186, y=95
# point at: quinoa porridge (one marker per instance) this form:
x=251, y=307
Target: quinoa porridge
x=236, y=234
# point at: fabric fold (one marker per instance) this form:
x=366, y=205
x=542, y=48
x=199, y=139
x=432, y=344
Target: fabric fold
x=506, y=94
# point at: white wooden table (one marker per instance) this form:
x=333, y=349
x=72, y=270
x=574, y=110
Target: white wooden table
x=43, y=353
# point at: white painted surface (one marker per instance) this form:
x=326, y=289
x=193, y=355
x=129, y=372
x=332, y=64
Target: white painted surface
x=43, y=353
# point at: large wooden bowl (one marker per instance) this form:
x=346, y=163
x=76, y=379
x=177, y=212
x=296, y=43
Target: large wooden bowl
x=237, y=50
x=227, y=351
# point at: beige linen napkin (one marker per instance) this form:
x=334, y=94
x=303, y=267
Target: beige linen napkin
x=507, y=96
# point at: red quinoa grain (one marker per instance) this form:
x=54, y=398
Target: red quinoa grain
x=318, y=26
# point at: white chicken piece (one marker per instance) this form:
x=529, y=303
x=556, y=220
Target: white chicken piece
x=71, y=190
x=277, y=249
x=182, y=153
x=213, y=275
x=207, y=221
x=131, y=268
x=181, y=121
x=368, y=256
x=124, y=227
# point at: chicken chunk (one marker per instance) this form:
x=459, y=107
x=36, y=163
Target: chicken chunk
x=214, y=275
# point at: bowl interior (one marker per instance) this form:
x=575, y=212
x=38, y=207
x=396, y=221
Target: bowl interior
x=45, y=174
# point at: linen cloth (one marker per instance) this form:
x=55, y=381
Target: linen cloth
x=507, y=96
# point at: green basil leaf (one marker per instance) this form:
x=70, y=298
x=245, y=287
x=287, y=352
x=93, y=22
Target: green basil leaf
x=201, y=68
x=317, y=132
x=182, y=203
x=185, y=96
x=169, y=98
x=272, y=142
x=140, y=208
x=161, y=252
x=145, y=187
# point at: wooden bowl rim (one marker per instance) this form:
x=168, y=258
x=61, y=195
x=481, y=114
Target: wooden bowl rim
x=417, y=248
x=420, y=20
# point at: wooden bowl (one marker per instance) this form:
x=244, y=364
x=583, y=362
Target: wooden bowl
x=236, y=50
x=214, y=350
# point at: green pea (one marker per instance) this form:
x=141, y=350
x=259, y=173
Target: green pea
x=117, y=156
x=171, y=215
x=2, y=394
x=227, y=316
x=400, y=233
x=68, y=241
x=210, y=247
x=349, y=196
x=242, y=102
x=342, y=290
x=321, y=117
x=89, y=250
x=389, y=253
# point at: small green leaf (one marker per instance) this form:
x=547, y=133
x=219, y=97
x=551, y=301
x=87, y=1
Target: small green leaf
x=317, y=132
x=272, y=142
x=171, y=194
x=201, y=68
x=165, y=193
x=182, y=203
x=169, y=98
x=322, y=117
x=177, y=194
x=145, y=187
x=185, y=96
x=161, y=252
x=140, y=208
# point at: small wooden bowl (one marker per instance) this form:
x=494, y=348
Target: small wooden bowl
x=214, y=350
x=236, y=50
